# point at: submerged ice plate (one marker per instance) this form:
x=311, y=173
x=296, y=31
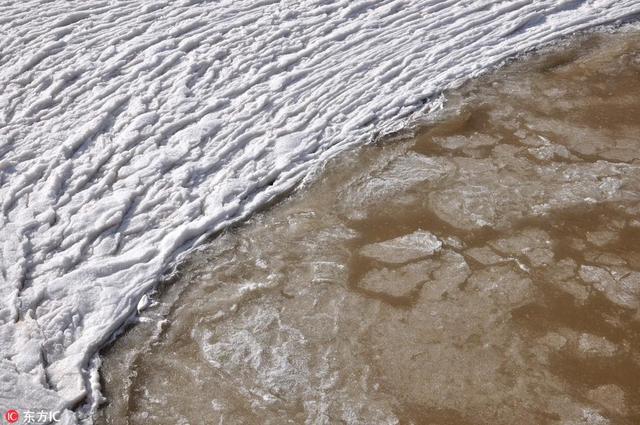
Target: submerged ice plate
x=132, y=130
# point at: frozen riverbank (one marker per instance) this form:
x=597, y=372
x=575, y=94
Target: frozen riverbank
x=483, y=272
x=132, y=130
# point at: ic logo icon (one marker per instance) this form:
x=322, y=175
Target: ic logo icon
x=12, y=416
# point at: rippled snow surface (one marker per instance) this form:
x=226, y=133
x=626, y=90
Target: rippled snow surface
x=131, y=130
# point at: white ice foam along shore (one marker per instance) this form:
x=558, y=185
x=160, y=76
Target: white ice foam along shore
x=131, y=130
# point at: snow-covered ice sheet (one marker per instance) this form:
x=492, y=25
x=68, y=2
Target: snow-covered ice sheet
x=131, y=130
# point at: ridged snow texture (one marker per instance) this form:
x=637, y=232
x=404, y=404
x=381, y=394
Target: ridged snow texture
x=130, y=130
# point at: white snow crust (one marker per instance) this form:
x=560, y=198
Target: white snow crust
x=132, y=130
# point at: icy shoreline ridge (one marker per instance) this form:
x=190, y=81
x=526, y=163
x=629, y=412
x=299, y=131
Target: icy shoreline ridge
x=129, y=131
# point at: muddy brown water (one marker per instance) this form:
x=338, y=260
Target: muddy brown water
x=484, y=270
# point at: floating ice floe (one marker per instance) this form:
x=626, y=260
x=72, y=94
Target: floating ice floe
x=403, y=249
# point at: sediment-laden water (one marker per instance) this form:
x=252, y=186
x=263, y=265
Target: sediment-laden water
x=485, y=270
x=131, y=131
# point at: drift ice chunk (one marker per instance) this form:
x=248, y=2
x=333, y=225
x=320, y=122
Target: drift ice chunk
x=403, y=249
